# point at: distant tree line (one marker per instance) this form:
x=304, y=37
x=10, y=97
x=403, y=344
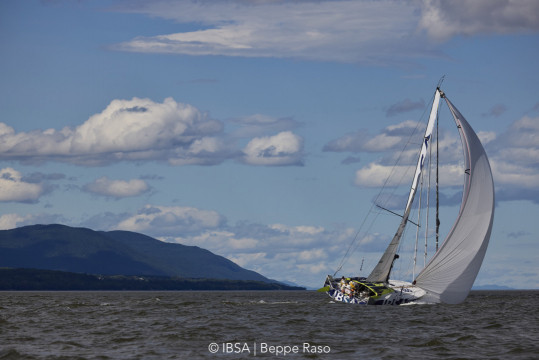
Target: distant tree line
x=35, y=279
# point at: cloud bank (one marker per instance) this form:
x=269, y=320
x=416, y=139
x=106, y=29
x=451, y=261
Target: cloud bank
x=445, y=19
x=375, y=32
x=303, y=254
x=515, y=160
x=316, y=30
x=140, y=130
x=513, y=155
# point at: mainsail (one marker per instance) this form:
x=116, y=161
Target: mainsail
x=381, y=272
x=450, y=274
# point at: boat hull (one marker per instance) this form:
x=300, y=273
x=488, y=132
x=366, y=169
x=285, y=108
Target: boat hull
x=359, y=291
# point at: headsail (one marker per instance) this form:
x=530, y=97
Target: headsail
x=381, y=272
x=450, y=274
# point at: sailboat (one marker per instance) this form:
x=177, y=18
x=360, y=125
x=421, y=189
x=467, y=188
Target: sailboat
x=450, y=273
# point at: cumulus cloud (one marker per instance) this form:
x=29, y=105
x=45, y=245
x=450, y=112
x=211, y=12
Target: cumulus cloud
x=285, y=148
x=171, y=220
x=117, y=188
x=136, y=129
x=14, y=189
x=375, y=32
x=141, y=130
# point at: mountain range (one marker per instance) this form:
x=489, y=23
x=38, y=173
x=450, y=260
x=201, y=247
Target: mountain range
x=82, y=250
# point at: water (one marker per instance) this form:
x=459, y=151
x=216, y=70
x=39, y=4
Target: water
x=182, y=325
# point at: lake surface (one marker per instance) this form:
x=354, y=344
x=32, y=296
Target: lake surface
x=263, y=324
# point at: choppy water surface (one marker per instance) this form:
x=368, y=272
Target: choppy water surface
x=231, y=325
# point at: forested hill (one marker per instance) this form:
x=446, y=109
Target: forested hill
x=81, y=250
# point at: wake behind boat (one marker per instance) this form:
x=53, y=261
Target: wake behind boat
x=451, y=272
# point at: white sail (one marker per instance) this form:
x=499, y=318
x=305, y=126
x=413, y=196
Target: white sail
x=450, y=274
x=381, y=272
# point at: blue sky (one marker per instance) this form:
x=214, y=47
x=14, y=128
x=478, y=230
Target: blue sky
x=263, y=130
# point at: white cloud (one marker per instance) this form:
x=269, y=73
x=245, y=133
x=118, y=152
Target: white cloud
x=142, y=130
x=513, y=154
x=136, y=129
x=514, y=157
x=171, y=220
x=486, y=136
x=375, y=175
x=298, y=230
x=248, y=260
x=310, y=255
x=520, y=143
x=277, y=251
x=11, y=221
x=375, y=32
x=345, y=31
x=117, y=188
x=515, y=175
x=285, y=148
x=13, y=188
x=204, y=151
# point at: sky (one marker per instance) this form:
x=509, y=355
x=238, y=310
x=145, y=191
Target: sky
x=264, y=130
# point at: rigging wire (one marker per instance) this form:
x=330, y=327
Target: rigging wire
x=354, y=244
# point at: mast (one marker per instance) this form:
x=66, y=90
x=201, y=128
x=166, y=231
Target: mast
x=417, y=229
x=428, y=204
x=437, y=193
x=382, y=270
